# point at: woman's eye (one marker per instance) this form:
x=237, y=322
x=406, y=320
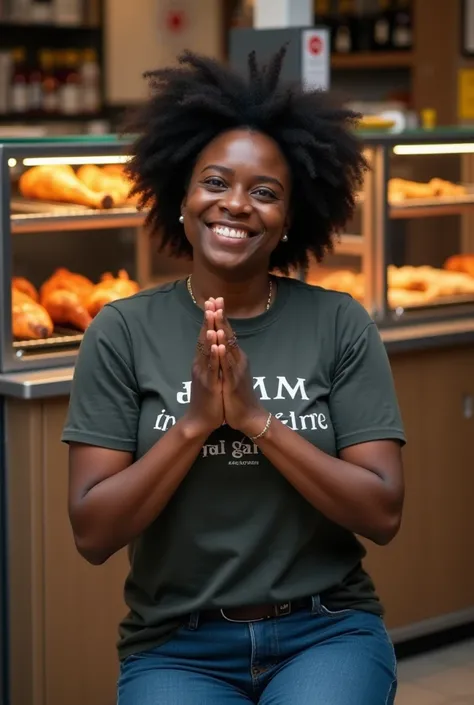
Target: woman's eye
x=215, y=182
x=264, y=193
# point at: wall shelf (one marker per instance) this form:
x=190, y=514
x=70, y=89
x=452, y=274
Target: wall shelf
x=373, y=60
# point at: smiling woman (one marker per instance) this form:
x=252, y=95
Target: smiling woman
x=238, y=429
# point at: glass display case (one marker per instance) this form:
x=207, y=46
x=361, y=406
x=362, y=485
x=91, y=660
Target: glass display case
x=71, y=239
x=417, y=234
x=70, y=234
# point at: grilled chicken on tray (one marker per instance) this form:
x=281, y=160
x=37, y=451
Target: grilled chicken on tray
x=110, y=289
x=30, y=321
x=60, y=183
x=65, y=299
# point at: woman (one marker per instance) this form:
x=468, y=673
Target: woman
x=236, y=429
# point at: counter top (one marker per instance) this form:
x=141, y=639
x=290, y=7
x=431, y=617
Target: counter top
x=56, y=382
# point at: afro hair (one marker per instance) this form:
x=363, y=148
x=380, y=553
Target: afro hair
x=194, y=102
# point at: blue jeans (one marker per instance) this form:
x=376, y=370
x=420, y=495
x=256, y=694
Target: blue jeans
x=312, y=657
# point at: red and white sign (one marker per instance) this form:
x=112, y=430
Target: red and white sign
x=315, y=59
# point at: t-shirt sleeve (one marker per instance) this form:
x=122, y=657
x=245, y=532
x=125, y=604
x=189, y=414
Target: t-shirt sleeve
x=362, y=402
x=104, y=404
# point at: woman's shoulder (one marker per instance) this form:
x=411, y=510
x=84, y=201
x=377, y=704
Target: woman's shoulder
x=120, y=318
x=324, y=297
x=330, y=308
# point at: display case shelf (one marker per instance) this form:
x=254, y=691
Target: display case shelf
x=85, y=220
x=424, y=208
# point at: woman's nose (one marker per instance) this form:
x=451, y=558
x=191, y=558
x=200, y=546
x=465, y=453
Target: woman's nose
x=236, y=201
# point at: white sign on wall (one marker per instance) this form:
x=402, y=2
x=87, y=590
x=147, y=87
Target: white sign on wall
x=315, y=60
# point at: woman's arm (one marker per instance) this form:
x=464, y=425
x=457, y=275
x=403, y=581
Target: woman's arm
x=112, y=500
x=363, y=490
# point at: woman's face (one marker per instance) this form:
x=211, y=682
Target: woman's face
x=236, y=208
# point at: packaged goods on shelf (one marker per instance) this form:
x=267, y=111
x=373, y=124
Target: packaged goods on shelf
x=53, y=82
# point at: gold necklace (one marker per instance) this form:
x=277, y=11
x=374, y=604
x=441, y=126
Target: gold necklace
x=269, y=300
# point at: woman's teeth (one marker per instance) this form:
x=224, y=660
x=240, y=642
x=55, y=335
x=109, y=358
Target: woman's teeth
x=230, y=232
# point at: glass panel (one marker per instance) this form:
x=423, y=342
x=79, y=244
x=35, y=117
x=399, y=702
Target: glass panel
x=430, y=244
x=74, y=246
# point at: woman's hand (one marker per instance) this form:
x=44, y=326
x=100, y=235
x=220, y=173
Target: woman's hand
x=206, y=410
x=242, y=410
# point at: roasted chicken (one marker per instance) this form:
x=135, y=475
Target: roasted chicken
x=60, y=183
x=26, y=287
x=66, y=309
x=98, y=180
x=110, y=289
x=117, y=171
x=69, y=281
x=30, y=321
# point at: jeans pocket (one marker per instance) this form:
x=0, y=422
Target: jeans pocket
x=335, y=613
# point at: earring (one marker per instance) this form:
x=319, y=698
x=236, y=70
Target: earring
x=181, y=219
x=285, y=237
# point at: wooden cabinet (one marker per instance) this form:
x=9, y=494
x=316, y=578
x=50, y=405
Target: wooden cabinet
x=428, y=572
x=64, y=613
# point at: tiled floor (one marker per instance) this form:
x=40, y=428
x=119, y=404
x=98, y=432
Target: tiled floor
x=442, y=677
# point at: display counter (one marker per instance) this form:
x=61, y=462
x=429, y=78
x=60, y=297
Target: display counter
x=396, y=258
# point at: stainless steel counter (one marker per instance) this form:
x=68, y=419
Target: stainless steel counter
x=57, y=382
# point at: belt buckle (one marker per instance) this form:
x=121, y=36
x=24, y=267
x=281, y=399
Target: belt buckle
x=283, y=610
x=240, y=621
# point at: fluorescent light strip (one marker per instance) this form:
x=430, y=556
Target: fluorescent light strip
x=420, y=149
x=74, y=161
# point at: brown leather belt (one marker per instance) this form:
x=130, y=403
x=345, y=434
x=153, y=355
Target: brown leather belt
x=256, y=613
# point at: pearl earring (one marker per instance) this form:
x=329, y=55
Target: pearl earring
x=285, y=237
x=181, y=219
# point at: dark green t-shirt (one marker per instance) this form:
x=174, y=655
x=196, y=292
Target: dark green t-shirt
x=236, y=532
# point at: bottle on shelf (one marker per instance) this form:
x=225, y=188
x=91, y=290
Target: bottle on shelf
x=5, y=79
x=49, y=83
x=35, y=90
x=91, y=82
x=382, y=27
x=345, y=29
x=402, y=28
x=19, y=89
x=70, y=84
